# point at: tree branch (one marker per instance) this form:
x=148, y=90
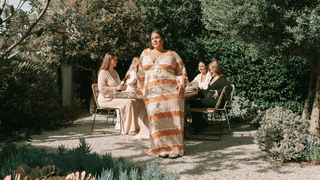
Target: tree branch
x=28, y=32
x=2, y=7
x=312, y=66
x=87, y=69
x=17, y=9
x=48, y=30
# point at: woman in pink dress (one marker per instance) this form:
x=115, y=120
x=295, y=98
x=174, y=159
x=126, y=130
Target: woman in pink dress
x=163, y=93
x=109, y=82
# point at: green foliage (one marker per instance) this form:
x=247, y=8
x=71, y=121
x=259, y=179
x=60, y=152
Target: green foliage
x=284, y=135
x=16, y=25
x=267, y=81
x=79, y=33
x=284, y=27
x=103, y=167
x=30, y=100
x=86, y=148
x=7, y=149
x=178, y=19
x=289, y=27
x=312, y=150
x=244, y=111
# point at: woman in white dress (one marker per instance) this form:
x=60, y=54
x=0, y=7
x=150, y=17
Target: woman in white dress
x=132, y=86
x=109, y=82
x=202, y=80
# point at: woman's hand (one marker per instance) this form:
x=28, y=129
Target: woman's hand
x=188, y=83
x=180, y=89
x=121, y=87
x=216, y=94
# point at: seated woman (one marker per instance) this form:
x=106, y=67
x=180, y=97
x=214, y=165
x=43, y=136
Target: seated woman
x=132, y=86
x=211, y=95
x=201, y=81
x=108, y=82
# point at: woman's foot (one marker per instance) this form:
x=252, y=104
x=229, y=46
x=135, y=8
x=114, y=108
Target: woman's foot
x=163, y=155
x=117, y=126
x=133, y=133
x=173, y=155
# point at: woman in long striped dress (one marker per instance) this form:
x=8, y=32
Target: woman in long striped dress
x=163, y=92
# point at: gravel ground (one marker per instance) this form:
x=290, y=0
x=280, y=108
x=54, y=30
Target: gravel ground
x=235, y=156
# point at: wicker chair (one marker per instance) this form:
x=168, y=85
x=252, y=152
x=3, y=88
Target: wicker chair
x=95, y=91
x=229, y=102
x=223, y=111
x=213, y=123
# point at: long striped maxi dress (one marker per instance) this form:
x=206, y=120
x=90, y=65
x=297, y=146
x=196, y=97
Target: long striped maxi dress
x=164, y=105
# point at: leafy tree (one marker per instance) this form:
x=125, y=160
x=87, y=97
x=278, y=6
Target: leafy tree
x=15, y=26
x=290, y=27
x=79, y=33
x=178, y=19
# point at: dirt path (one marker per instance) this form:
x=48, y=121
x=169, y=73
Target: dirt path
x=235, y=156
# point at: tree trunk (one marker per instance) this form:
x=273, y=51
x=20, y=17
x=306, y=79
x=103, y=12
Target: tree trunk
x=314, y=124
x=306, y=107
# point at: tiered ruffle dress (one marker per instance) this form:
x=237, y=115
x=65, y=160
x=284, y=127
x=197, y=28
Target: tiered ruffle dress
x=164, y=105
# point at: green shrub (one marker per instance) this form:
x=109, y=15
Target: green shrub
x=266, y=80
x=244, y=111
x=312, y=150
x=284, y=135
x=30, y=101
x=76, y=159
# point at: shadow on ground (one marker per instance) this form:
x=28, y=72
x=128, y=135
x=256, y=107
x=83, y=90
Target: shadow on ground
x=233, y=152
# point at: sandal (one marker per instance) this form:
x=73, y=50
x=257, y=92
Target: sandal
x=164, y=155
x=173, y=155
x=133, y=133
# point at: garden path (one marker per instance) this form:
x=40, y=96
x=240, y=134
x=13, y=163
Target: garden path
x=235, y=156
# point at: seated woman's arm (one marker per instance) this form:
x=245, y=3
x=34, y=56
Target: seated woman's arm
x=224, y=83
x=103, y=85
x=133, y=79
x=214, y=91
x=195, y=81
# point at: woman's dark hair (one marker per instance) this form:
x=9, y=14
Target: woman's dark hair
x=106, y=61
x=165, y=44
x=206, y=62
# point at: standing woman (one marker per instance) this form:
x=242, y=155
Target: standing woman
x=109, y=82
x=163, y=93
